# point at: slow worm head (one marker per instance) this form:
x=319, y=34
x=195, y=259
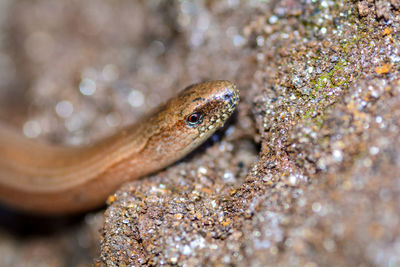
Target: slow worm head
x=48, y=179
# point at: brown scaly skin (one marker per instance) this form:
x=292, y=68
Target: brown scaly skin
x=46, y=179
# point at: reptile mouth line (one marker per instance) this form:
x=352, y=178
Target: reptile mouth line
x=218, y=120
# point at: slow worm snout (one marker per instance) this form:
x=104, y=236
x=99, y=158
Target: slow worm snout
x=42, y=178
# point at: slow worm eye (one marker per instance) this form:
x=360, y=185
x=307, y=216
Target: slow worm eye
x=194, y=119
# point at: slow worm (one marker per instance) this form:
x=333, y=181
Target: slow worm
x=48, y=179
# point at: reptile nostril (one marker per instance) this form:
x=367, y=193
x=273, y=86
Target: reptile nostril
x=228, y=96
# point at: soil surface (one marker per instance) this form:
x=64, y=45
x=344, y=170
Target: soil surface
x=306, y=172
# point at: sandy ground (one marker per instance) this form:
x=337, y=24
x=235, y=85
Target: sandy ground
x=306, y=173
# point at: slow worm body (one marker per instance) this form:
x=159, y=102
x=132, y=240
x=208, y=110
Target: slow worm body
x=48, y=179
